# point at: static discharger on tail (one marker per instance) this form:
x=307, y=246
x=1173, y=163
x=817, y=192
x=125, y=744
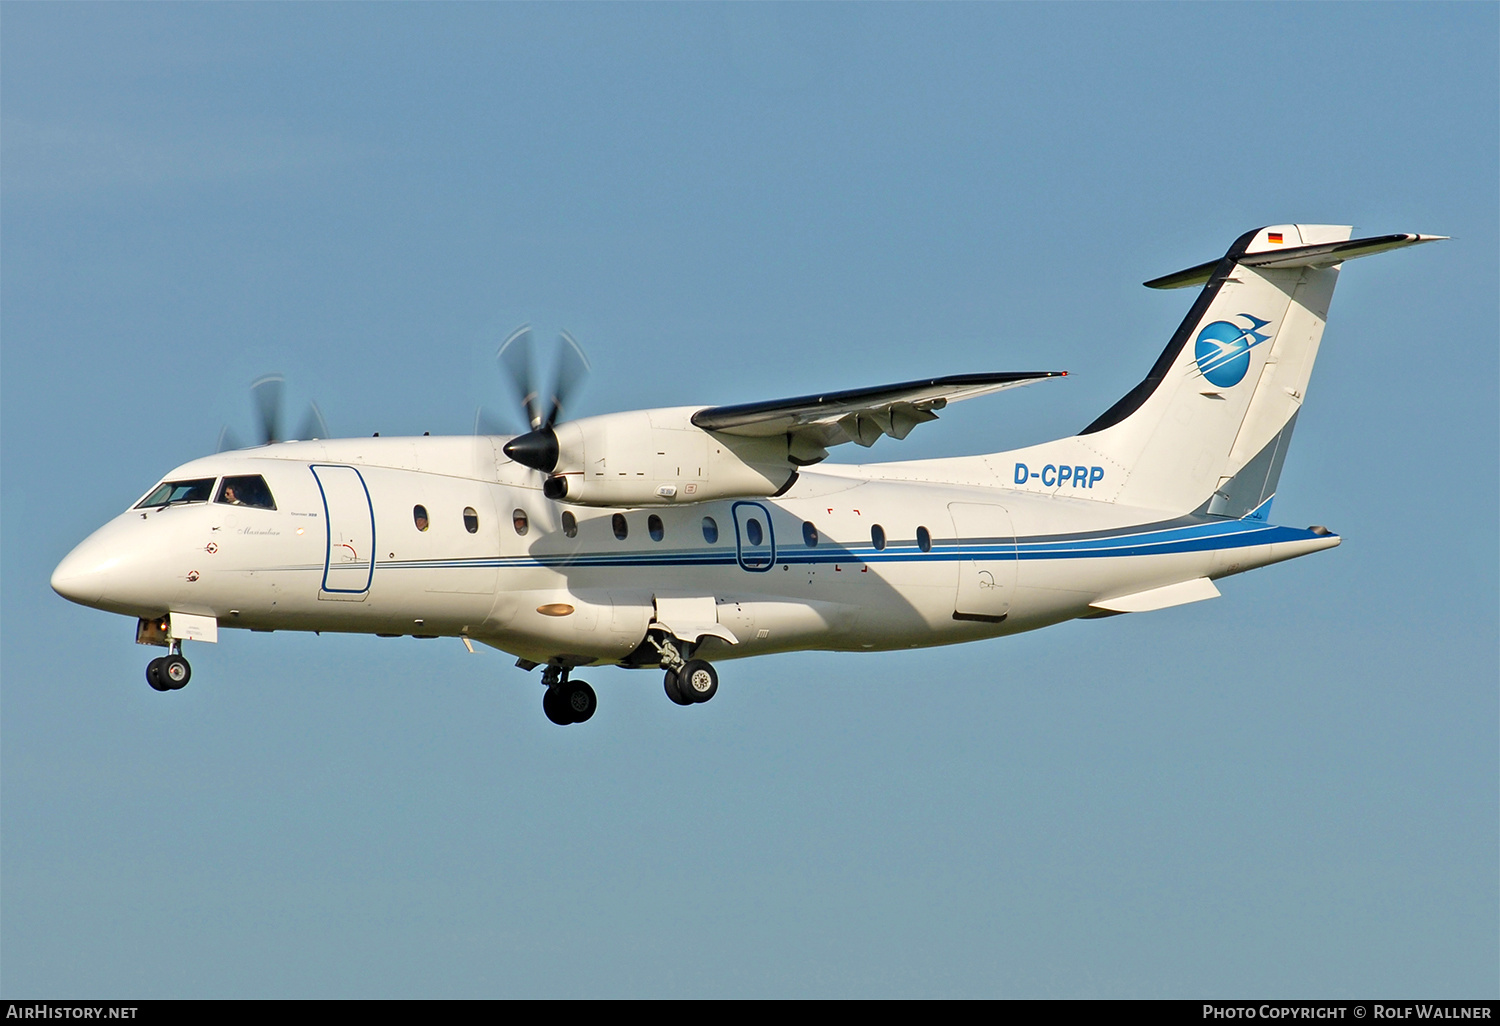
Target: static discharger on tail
x=677, y=538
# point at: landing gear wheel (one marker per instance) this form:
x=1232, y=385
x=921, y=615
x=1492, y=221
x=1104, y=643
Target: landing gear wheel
x=557, y=711
x=579, y=700
x=154, y=677
x=698, y=681
x=673, y=692
x=174, y=672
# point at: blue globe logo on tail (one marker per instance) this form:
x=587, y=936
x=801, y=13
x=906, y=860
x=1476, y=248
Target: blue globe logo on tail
x=1223, y=349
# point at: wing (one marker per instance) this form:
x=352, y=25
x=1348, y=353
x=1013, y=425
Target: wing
x=861, y=415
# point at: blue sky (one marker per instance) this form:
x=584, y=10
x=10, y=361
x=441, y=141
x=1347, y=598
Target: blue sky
x=1289, y=791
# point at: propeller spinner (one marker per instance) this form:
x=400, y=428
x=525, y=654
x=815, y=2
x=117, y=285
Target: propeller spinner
x=537, y=448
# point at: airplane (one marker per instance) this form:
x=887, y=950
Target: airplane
x=679, y=537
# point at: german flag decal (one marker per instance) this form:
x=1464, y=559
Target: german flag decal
x=1274, y=237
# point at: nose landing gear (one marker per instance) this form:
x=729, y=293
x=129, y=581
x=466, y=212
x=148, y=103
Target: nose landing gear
x=169, y=672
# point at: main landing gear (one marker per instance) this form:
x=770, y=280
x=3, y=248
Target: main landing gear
x=696, y=682
x=566, y=701
x=688, y=681
x=169, y=672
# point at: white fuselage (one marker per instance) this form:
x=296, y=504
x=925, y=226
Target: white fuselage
x=966, y=554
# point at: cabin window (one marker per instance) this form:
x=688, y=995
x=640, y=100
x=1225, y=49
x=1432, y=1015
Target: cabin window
x=924, y=539
x=570, y=524
x=809, y=534
x=621, y=527
x=248, y=490
x=754, y=532
x=710, y=530
x=654, y=526
x=877, y=536
x=519, y=521
x=419, y=517
x=170, y=493
x=471, y=520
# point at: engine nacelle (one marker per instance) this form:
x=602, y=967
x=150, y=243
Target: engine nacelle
x=652, y=458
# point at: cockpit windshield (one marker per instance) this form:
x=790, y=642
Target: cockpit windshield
x=170, y=493
x=249, y=490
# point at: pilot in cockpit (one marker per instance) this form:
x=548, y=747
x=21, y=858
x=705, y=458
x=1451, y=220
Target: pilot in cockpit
x=249, y=490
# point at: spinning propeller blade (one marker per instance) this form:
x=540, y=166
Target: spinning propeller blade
x=572, y=368
x=313, y=425
x=514, y=357
x=485, y=423
x=538, y=447
x=266, y=392
x=266, y=395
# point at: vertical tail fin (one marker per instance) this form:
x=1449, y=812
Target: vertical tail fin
x=1209, y=426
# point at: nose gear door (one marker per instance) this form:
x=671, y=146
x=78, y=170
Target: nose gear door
x=349, y=559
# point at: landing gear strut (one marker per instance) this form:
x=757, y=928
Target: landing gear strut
x=566, y=701
x=170, y=672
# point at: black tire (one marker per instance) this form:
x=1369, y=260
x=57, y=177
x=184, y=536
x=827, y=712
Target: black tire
x=175, y=672
x=698, y=680
x=579, y=700
x=670, y=684
x=154, y=677
x=552, y=705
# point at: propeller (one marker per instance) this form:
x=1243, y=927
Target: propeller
x=266, y=397
x=537, y=448
x=515, y=359
x=485, y=423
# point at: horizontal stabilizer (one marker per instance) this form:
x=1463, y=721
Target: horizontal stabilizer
x=859, y=415
x=1196, y=590
x=1324, y=255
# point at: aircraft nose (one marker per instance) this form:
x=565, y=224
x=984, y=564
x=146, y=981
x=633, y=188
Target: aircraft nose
x=84, y=573
x=76, y=580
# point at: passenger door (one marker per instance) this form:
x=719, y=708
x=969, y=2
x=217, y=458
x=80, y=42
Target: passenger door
x=349, y=559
